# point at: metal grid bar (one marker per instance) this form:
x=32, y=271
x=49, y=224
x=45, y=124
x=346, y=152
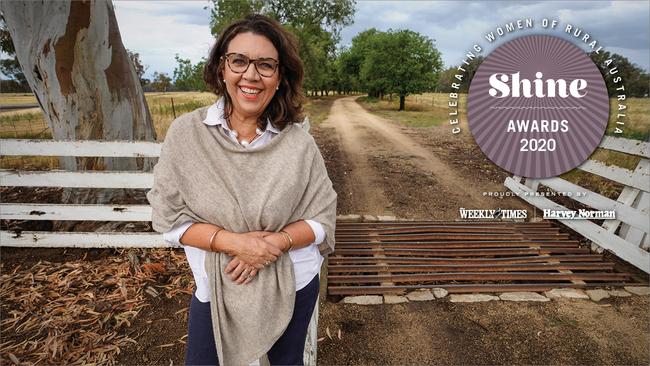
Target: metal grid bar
x=396, y=257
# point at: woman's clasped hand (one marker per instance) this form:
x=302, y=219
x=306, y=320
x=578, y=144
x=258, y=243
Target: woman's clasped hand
x=249, y=154
x=252, y=251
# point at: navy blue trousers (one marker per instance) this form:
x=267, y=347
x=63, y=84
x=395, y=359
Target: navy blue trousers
x=288, y=350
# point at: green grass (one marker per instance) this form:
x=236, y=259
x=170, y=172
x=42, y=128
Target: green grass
x=414, y=115
x=318, y=108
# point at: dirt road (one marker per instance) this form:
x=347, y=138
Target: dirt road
x=379, y=167
x=387, y=161
x=367, y=194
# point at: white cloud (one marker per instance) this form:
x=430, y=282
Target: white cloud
x=619, y=26
x=160, y=29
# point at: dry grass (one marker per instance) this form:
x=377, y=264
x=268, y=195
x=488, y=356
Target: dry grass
x=78, y=311
x=431, y=109
x=440, y=100
x=32, y=125
x=417, y=113
x=318, y=108
x=637, y=123
x=23, y=125
x=17, y=124
x=17, y=98
x=29, y=162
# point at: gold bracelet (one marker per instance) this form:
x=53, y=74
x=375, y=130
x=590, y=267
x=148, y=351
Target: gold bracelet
x=214, y=235
x=289, y=239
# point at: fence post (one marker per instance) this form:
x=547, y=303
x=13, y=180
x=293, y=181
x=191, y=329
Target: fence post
x=310, y=353
x=173, y=108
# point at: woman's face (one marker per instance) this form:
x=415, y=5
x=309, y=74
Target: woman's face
x=249, y=91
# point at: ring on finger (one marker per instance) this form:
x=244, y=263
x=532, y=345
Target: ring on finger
x=267, y=263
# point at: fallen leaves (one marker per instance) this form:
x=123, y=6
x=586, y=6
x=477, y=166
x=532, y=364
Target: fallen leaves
x=77, y=312
x=154, y=267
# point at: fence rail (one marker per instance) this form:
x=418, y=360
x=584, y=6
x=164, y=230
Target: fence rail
x=627, y=236
x=88, y=212
x=75, y=212
x=80, y=148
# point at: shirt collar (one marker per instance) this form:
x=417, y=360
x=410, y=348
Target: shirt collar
x=215, y=117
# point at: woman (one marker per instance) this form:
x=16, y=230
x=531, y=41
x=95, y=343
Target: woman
x=244, y=189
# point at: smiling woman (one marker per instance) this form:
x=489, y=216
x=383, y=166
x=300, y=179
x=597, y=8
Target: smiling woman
x=251, y=91
x=228, y=68
x=244, y=188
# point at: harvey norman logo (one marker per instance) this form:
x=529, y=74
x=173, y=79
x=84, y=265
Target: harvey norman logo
x=492, y=214
x=581, y=214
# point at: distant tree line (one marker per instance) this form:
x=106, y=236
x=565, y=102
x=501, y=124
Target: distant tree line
x=611, y=65
x=315, y=23
x=398, y=62
x=635, y=79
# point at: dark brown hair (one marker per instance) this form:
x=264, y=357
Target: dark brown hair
x=286, y=105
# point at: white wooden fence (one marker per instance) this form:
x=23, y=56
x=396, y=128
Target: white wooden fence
x=89, y=212
x=628, y=236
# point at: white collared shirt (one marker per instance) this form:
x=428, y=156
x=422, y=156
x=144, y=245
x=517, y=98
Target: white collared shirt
x=307, y=261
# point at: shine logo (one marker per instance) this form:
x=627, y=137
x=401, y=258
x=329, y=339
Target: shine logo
x=538, y=106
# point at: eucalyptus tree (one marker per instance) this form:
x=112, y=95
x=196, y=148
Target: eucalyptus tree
x=72, y=56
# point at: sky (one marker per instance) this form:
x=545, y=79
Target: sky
x=620, y=26
x=158, y=30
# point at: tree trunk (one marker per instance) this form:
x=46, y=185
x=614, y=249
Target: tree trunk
x=402, y=99
x=73, y=58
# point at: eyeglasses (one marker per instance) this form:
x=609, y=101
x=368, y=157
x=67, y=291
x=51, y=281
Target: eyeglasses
x=239, y=63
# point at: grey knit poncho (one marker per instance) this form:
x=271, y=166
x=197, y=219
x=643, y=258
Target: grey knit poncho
x=204, y=176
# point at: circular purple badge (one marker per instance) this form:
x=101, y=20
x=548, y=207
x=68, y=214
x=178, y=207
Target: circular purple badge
x=538, y=106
